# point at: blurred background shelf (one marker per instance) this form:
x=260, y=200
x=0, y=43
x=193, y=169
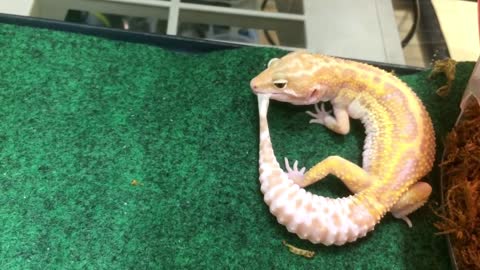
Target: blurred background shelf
x=412, y=32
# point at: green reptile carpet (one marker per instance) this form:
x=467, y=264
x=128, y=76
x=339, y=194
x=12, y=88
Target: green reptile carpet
x=81, y=117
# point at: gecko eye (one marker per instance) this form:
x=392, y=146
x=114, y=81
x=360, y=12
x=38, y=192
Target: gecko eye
x=280, y=84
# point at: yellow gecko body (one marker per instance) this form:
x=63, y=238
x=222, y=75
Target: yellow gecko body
x=399, y=147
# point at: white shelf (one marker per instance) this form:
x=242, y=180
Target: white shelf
x=361, y=29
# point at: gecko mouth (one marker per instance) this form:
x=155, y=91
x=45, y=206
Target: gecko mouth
x=270, y=93
x=311, y=98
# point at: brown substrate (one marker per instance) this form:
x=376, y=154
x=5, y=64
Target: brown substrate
x=461, y=172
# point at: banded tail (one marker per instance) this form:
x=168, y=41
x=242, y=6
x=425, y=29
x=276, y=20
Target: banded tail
x=312, y=217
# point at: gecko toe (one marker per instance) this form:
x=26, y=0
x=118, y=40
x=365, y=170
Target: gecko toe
x=294, y=174
x=408, y=221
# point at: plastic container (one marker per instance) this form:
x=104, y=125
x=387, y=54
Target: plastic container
x=470, y=97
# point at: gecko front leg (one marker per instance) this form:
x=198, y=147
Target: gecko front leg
x=339, y=122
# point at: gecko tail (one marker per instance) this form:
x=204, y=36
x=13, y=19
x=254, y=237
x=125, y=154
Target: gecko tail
x=315, y=218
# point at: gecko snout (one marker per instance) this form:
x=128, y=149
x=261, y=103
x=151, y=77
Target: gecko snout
x=253, y=85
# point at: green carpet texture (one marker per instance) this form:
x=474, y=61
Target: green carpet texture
x=81, y=117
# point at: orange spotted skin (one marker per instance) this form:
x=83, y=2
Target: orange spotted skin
x=399, y=147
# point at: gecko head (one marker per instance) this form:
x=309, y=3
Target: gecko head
x=290, y=79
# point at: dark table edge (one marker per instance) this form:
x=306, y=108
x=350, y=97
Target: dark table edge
x=174, y=43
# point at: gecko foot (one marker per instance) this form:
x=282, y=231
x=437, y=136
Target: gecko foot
x=319, y=115
x=294, y=174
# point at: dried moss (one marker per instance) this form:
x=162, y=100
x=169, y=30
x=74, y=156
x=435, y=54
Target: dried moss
x=461, y=168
